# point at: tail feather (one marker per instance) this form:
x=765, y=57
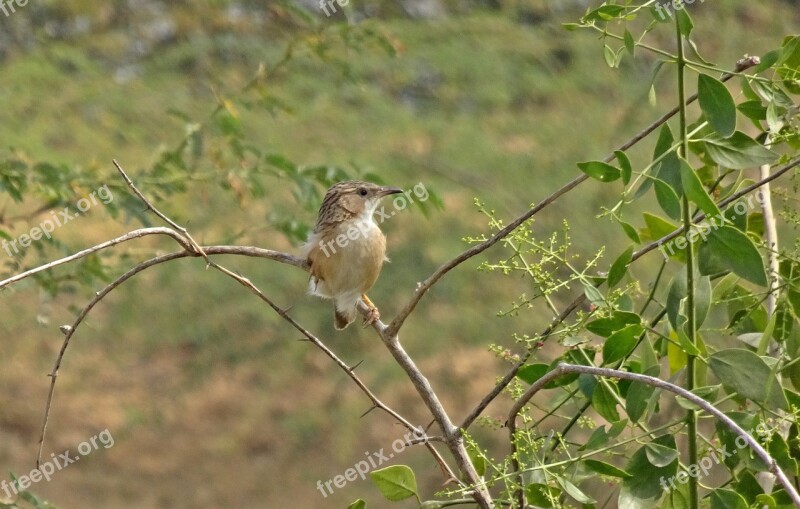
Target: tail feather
x=342, y=319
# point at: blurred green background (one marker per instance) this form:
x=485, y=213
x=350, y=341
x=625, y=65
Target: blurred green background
x=210, y=397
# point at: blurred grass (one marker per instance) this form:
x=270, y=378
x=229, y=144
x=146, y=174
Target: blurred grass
x=211, y=398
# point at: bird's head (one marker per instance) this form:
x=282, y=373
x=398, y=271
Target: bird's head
x=352, y=198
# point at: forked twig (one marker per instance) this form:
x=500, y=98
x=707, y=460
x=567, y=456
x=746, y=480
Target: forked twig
x=194, y=245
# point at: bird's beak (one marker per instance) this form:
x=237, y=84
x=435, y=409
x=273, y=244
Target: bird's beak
x=386, y=190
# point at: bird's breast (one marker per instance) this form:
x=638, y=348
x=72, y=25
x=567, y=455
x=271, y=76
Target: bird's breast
x=348, y=257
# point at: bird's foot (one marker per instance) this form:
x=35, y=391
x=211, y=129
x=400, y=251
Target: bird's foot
x=373, y=315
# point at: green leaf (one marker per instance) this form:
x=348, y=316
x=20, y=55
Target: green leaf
x=644, y=488
x=659, y=15
x=631, y=232
x=593, y=294
x=609, y=56
x=676, y=356
x=477, y=459
x=658, y=226
x=764, y=500
x=774, y=118
x=611, y=324
x=396, y=482
x=532, y=372
x=727, y=499
x=598, y=439
x=630, y=44
x=605, y=403
x=708, y=393
x=717, y=104
x=768, y=59
x=606, y=469
x=621, y=343
x=601, y=171
x=748, y=375
x=620, y=267
x=730, y=248
x=766, y=336
x=668, y=165
x=748, y=487
x=684, y=21
x=281, y=162
x=668, y=199
x=358, y=504
x=687, y=346
x=696, y=192
x=738, y=152
x=753, y=110
x=574, y=492
x=542, y=495
x=677, y=295
x=605, y=13
x=626, y=169
x=639, y=395
x=660, y=455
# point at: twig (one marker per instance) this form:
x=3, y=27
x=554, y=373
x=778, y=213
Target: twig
x=194, y=245
x=135, y=234
x=70, y=331
x=562, y=369
x=771, y=239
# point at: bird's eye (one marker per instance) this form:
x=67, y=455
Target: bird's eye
x=362, y=191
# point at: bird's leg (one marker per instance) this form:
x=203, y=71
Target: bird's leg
x=372, y=315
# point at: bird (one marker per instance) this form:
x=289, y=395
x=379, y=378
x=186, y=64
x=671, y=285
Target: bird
x=346, y=249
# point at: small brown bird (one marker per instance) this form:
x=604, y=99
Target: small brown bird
x=346, y=250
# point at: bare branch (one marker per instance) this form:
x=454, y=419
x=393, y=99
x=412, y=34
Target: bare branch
x=452, y=435
x=135, y=234
x=771, y=238
x=562, y=369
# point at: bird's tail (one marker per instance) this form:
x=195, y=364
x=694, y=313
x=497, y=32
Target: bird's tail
x=345, y=309
x=342, y=319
